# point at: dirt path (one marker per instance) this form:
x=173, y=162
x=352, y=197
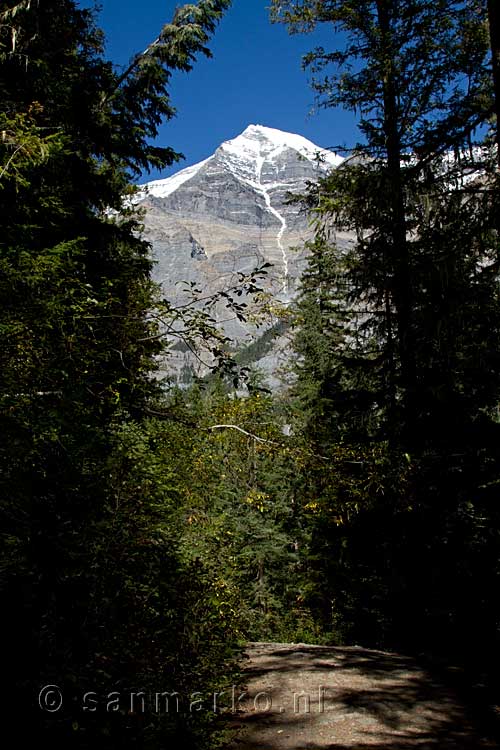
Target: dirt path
x=314, y=697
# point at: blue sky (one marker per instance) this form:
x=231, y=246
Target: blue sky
x=255, y=76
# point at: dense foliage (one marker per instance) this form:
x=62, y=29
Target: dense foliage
x=146, y=533
x=97, y=593
x=398, y=333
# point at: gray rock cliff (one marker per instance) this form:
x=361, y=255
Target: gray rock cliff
x=229, y=214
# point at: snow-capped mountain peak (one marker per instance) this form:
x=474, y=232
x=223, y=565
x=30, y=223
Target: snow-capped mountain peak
x=252, y=157
x=261, y=141
x=247, y=154
x=229, y=214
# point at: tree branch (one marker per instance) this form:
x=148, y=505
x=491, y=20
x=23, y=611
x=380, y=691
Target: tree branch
x=240, y=429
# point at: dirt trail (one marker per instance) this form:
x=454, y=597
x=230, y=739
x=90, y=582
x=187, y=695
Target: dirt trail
x=313, y=697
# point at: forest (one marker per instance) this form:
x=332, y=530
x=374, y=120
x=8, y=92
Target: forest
x=148, y=532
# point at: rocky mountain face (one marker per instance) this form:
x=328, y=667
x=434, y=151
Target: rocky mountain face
x=229, y=214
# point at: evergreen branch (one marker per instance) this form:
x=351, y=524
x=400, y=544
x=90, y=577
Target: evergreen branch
x=177, y=50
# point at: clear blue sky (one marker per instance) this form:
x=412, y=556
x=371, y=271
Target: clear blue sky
x=255, y=76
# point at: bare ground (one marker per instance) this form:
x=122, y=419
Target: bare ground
x=312, y=697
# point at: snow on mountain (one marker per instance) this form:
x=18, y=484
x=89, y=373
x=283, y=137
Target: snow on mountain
x=162, y=188
x=258, y=142
x=249, y=177
x=246, y=155
x=226, y=216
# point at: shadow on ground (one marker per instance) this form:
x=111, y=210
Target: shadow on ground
x=317, y=697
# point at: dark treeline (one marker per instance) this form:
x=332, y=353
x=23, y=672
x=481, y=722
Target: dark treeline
x=98, y=595
x=148, y=531
x=399, y=336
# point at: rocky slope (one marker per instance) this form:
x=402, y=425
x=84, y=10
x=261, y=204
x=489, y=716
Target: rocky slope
x=229, y=214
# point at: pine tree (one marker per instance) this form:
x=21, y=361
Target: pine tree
x=336, y=389
x=494, y=27
x=404, y=54
x=422, y=300
x=91, y=578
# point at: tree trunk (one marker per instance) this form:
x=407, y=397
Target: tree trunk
x=400, y=263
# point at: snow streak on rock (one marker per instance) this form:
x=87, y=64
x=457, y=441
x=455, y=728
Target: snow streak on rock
x=266, y=160
x=279, y=238
x=221, y=217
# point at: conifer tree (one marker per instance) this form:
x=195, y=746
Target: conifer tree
x=91, y=578
x=494, y=28
x=418, y=75
x=395, y=70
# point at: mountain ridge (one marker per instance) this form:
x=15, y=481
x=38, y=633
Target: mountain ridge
x=230, y=213
x=243, y=148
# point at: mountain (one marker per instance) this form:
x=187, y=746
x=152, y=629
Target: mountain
x=229, y=214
